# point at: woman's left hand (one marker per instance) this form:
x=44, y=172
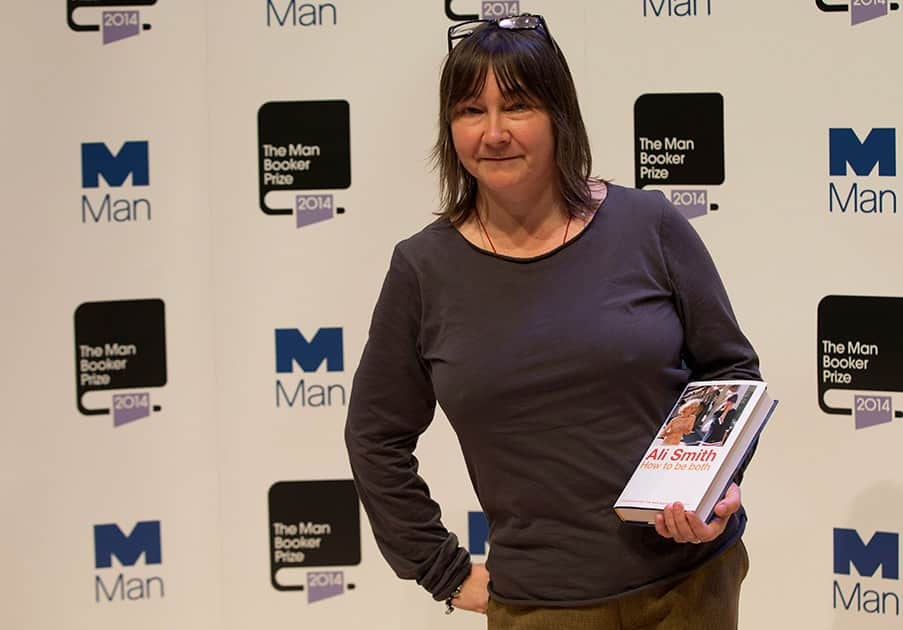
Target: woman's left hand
x=685, y=527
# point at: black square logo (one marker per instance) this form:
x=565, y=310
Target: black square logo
x=860, y=347
x=312, y=524
x=302, y=145
x=679, y=139
x=119, y=345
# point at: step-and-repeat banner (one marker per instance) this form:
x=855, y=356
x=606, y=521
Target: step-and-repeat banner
x=201, y=202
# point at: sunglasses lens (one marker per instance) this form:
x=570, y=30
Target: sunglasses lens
x=519, y=22
x=463, y=30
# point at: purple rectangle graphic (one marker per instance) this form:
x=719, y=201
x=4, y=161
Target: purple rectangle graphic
x=865, y=10
x=118, y=25
x=500, y=8
x=312, y=209
x=130, y=407
x=323, y=584
x=691, y=203
x=872, y=410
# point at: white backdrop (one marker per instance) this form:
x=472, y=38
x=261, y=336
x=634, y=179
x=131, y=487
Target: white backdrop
x=192, y=85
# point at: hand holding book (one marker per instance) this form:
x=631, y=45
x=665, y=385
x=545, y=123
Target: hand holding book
x=686, y=527
x=689, y=469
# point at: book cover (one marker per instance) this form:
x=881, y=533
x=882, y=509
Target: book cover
x=697, y=450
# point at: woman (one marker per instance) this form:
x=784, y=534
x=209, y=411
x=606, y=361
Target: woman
x=681, y=424
x=556, y=318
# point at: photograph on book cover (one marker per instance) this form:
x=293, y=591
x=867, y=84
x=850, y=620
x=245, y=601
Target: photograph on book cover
x=705, y=415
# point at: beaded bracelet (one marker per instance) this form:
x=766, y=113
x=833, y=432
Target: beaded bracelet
x=449, y=609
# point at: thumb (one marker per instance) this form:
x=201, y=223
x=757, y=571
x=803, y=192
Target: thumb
x=729, y=504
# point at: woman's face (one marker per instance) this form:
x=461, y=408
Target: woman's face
x=508, y=146
x=689, y=409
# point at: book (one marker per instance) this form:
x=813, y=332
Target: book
x=698, y=449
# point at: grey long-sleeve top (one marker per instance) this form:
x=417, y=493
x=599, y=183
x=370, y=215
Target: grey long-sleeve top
x=555, y=372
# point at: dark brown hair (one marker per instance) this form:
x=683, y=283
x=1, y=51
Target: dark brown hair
x=527, y=66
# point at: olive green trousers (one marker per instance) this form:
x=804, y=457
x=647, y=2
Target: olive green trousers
x=707, y=599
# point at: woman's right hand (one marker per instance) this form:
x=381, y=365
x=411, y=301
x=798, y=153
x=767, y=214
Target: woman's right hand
x=474, y=591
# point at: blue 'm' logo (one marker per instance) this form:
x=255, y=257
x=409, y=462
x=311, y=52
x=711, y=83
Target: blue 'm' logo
x=878, y=148
x=131, y=160
x=293, y=348
x=109, y=541
x=883, y=550
x=477, y=533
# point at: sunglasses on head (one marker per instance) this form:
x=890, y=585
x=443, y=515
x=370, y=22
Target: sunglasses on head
x=522, y=22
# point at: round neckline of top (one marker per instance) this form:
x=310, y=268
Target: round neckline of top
x=551, y=252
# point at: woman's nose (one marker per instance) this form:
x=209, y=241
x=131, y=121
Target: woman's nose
x=496, y=132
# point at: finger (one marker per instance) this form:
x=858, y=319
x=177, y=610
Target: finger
x=714, y=529
x=466, y=603
x=702, y=532
x=730, y=503
x=726, y=508
x=660, y=526
x=668, y=522
x=685, y=532
x=674, y=514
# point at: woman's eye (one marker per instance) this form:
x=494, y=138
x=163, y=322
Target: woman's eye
x=518, y=107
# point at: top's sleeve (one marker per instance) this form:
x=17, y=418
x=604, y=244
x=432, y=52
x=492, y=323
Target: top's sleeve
x=392, y=403
x=714, y=345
